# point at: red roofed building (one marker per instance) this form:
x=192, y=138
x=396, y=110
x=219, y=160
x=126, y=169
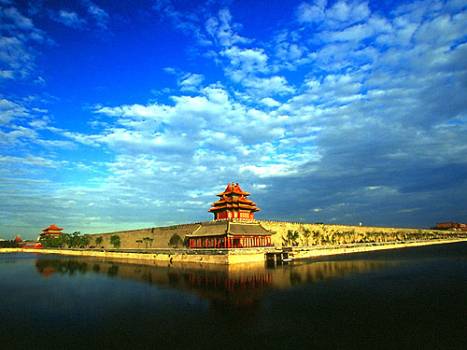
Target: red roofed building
x=449, y=225
x=32, y=245
x=233, y=225
x=52, y=231
x=234, y=204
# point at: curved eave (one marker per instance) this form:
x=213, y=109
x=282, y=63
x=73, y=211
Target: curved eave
x=226, y=193
x=216, y=209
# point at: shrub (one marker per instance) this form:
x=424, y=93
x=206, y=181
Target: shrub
x=115, y=241
x=99, y=241
x=175, y=241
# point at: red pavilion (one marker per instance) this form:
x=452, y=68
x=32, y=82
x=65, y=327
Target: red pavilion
x=233, y=225
x=52, y=231
x=234, y=204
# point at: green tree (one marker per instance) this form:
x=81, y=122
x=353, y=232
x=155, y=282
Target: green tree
x=52, y=242
x=66, y=238
x=84, y=241
x=175, y=241
x=306, y=236
x=115, y=241
x=291, y=238
x=99, y=241
x=148, y=241
x=72, y=240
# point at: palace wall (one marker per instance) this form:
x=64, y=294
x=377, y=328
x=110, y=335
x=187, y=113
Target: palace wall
x=308, y=235
x=326, y=234
x=153, y=237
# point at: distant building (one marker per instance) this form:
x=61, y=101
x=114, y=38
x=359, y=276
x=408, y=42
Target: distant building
x=52, y=231
x=450, y=225
x=31, y=245
x=233, y=225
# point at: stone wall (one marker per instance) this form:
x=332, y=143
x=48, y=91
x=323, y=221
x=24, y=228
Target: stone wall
x=308, y=235
x=324, y=234
x=154, y=237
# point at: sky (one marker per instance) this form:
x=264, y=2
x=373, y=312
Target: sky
x=129, y=114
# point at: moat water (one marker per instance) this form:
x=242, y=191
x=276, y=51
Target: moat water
x=410, y=298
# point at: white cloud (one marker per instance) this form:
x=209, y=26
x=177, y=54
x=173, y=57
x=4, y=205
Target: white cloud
x=191, y=82
x=100, y=16
x=30, y=160
x=243, y=63
x=348, y=11
x=17, y=20
x=18, y=37
x=10, y=110
x=68, y=18
x=342, y=12
x=222, y=31
x=314, y=12
x=265, y=171
x=275, y=85
x=269, y=102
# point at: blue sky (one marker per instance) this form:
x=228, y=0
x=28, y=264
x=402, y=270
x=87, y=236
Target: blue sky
x=124, y=114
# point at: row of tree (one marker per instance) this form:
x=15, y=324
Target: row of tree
x=307, y=237
x=66, y=240
x=76, y=240
x=9, y=244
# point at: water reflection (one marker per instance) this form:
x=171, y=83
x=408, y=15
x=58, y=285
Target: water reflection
x=224, y=286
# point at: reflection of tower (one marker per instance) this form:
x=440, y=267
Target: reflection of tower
x=234, y=204
x=230, y=291
x=46, y=267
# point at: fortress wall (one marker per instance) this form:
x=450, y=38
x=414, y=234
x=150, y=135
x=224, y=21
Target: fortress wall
x=319, y=234
x=322, y=234
x=159, y=235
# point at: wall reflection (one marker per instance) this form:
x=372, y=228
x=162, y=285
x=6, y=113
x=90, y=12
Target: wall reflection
x=222, y=286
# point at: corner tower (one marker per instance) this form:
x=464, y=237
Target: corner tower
x=234, y=204
x=52, y=231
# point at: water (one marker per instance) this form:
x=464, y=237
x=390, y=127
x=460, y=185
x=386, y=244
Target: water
x=410, y=298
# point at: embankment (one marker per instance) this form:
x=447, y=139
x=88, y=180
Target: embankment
x=313, y=252
x=224, y=256
x=168, y=256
